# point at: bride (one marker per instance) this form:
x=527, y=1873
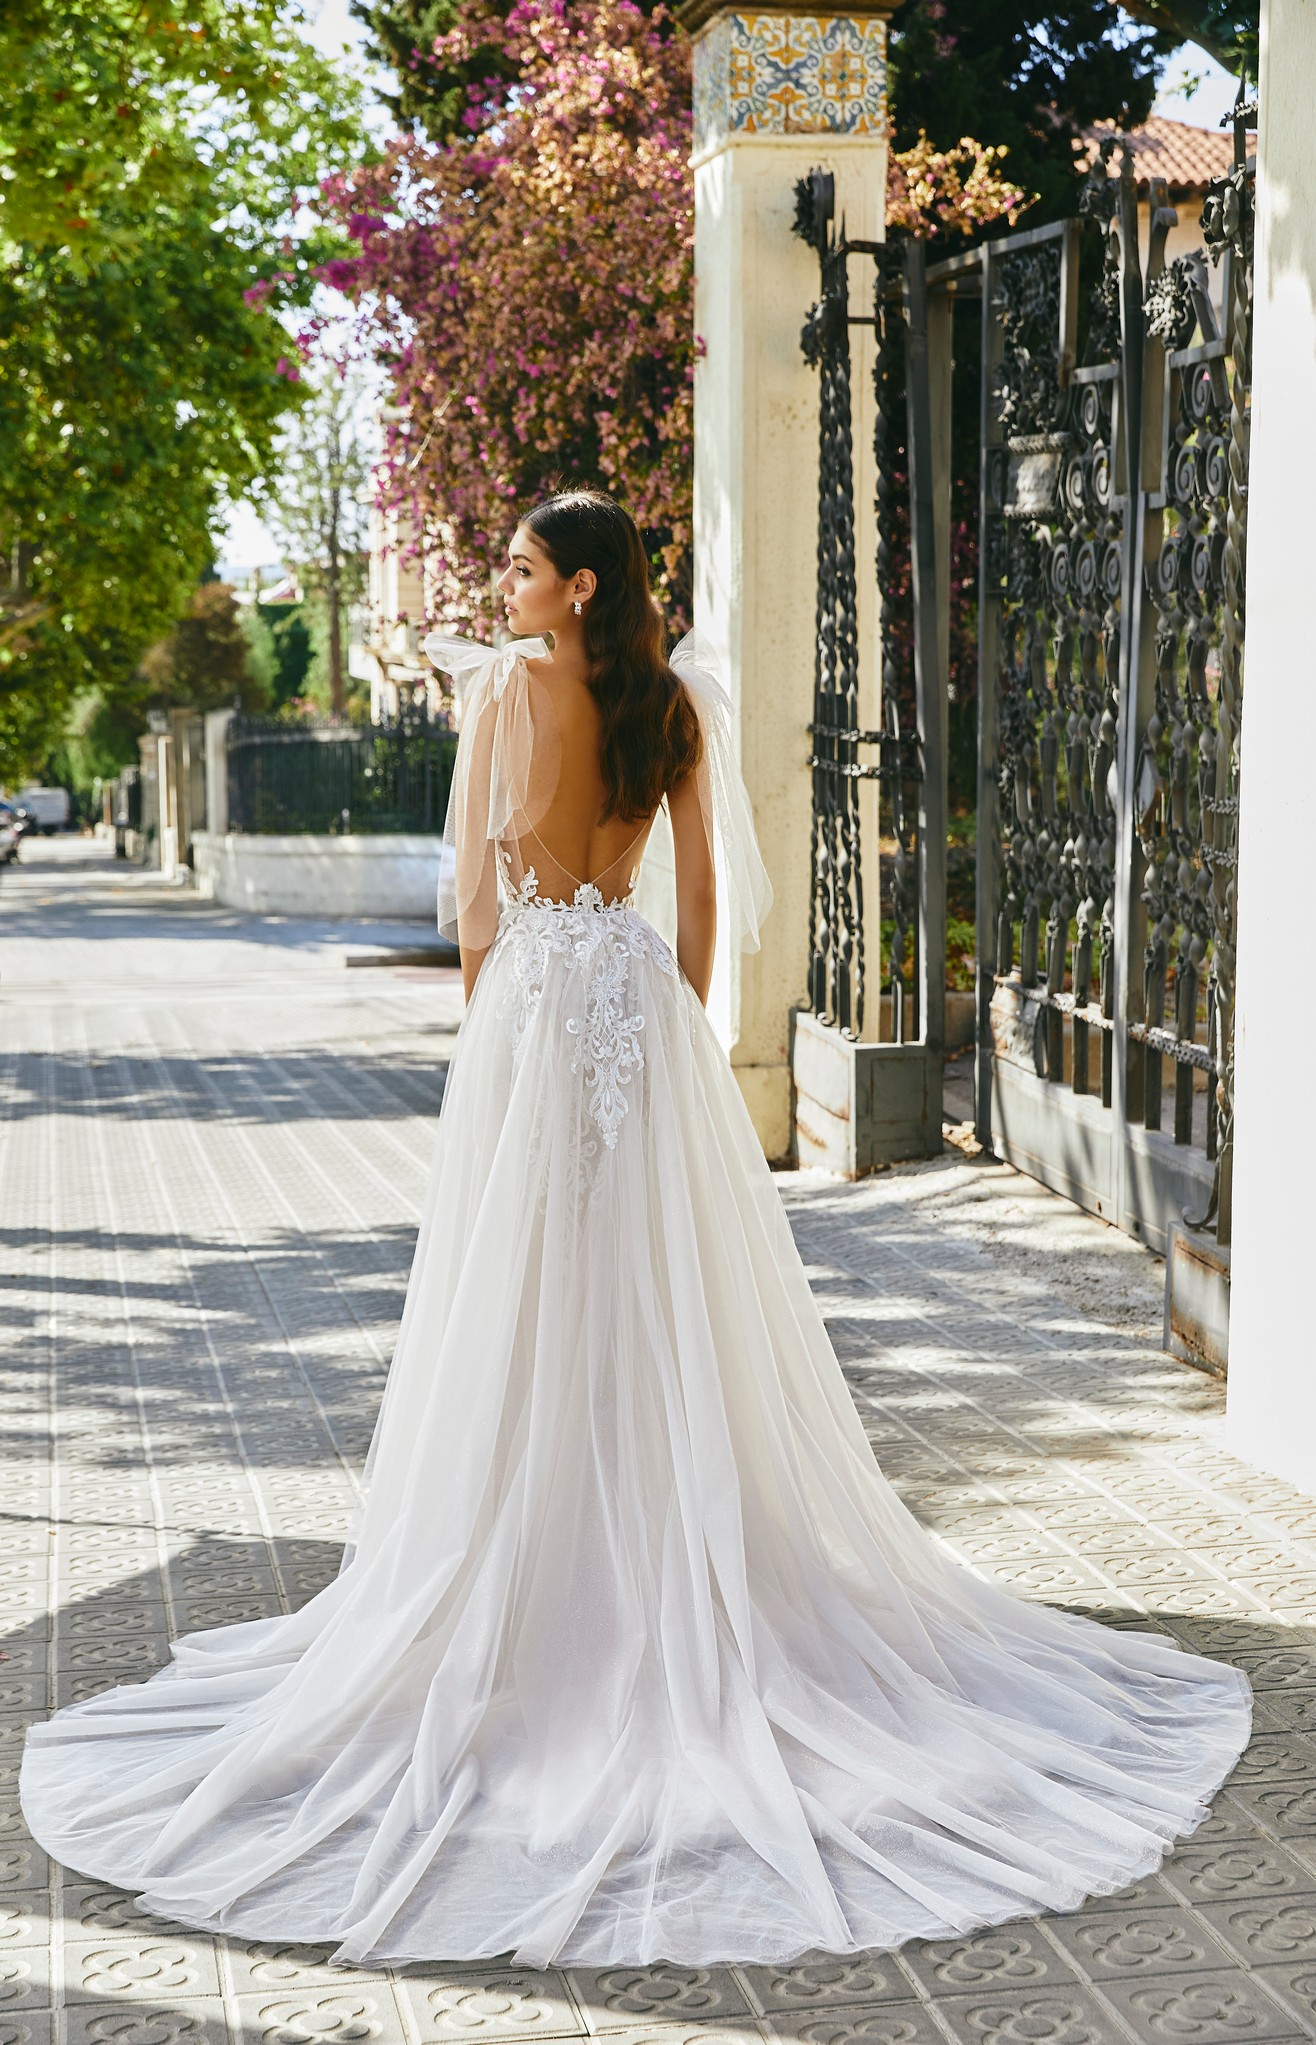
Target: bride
x=634, y=1654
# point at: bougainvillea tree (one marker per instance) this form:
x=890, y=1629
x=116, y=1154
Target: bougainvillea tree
x=529, y=280
x=933, y=191
x=530, y=283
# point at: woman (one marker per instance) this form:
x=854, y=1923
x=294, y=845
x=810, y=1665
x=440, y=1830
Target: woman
x=635, y=1654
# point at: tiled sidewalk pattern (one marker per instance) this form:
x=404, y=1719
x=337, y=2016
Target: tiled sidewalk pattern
x=213, y=1156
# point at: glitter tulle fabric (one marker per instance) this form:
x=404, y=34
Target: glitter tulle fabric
x=635, y=1654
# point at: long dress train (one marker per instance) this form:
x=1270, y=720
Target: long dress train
x=636, y=1655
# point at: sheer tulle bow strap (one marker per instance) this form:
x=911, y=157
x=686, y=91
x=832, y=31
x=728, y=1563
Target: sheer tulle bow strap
x=467, y=661
x=744, y=886
x=503, y=777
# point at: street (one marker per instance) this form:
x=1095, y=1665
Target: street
x=216, y=1136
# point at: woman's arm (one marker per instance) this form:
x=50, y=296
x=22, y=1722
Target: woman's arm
x=473, y=957
x=696, y=884
x=475, y=864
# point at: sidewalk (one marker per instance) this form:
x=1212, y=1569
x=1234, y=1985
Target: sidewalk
x=213, y=1148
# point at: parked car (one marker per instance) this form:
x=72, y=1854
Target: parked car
x=49, y=808
x=17, y=820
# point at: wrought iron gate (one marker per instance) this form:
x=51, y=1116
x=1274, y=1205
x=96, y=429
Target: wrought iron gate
x=1112, y=535
x=1115, y=439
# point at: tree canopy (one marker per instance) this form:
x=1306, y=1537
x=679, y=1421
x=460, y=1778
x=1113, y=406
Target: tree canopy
x=108, y=107
x=206, y=662
x=153, y=229
x=320, y=513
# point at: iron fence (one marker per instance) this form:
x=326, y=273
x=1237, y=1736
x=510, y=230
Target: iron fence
x=844, y=754
x=327, y=775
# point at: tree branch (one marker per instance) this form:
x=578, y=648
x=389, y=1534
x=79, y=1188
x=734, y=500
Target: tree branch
x=1188, y=21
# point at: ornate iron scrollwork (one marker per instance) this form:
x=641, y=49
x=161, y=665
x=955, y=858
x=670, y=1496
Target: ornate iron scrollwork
x=1054, y=540
x=1188, y=823
x=900, y=767
x=837, y=965
x=836, y=929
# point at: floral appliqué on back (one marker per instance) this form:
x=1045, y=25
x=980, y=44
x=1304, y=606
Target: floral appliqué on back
x=600, y=938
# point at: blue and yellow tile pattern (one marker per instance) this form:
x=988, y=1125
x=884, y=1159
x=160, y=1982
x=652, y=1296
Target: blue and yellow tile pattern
x=789, y=74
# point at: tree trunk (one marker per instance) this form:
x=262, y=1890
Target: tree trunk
x=334, y=598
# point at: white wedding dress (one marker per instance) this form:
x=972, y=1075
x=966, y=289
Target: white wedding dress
x=635, y=1654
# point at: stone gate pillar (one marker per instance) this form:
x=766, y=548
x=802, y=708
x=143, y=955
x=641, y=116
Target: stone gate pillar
x=1272, y=1382
x=775, y=94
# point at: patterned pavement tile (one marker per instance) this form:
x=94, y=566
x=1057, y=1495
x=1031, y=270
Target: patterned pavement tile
x=1020, y=2016
x=886, y=2023
x=1264, y=1932
x=27, y=2027
x=1209, y=1874
x=488, y=2003
x=146, y=1965
x=1294, y=1988
x=1212, y=2009
x=1013, y=1957
x=346, y=2016
x=1137, y=1943
x=614, y=1998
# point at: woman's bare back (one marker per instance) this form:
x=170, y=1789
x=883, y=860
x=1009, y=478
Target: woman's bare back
x=568, y=845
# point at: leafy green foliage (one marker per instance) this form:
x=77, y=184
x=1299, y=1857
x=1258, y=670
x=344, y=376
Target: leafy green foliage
x=108, y=107
x=294, y=652
x=205, y=663
x=145, y=370
x=131, y=398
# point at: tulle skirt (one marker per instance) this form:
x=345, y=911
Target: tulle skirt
x=635, y=1655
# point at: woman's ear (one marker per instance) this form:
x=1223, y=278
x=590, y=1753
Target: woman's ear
x=584, y=583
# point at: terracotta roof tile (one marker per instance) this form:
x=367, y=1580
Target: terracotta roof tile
x=1186, y=157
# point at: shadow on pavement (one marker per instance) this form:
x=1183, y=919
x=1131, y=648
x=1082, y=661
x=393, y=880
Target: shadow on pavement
x=320, y=1085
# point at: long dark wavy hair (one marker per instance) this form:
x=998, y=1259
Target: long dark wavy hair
x=651, y=736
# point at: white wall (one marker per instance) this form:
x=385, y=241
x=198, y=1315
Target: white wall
x=306, y=875
x=1272, y=1347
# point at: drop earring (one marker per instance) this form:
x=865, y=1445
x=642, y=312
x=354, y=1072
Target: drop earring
x=578, y=607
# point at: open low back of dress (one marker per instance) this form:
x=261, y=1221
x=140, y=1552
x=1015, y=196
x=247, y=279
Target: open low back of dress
x=565, y=773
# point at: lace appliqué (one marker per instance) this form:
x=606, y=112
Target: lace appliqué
x=600, y=938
